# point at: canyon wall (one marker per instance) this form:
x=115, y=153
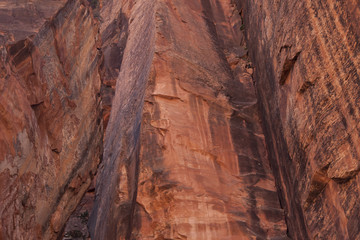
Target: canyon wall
x=184, y=151
x=306, y=56
x=225, y=119
x=50, y=114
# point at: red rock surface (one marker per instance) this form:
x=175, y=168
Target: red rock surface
x=306, y=55
x=185, y=156
x=20, y=19
x=203, y=139
x=50, y=114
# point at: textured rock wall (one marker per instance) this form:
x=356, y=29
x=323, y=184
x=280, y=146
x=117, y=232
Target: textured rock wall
x=50, y=114
x=306, y=56
x=186, y=150
x=22, y=18
x=185, y=156
x=116, y=184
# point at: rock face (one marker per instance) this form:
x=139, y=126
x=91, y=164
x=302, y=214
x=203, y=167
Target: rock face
x=306, y=56
x=21, y=18
x=185, y=155
x=50, y=114
x=200, y=143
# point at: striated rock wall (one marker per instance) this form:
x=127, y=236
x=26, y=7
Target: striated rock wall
x=185, y=156
x=50, y=114
x=306, y=56
x=116, y=186
x=200, y=142
x=203, y=164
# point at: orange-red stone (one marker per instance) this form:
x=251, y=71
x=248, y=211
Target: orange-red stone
x=50, y=114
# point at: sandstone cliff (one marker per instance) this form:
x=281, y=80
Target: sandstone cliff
x=225, y=119
x=185, y=156
x=306, y=56
x=50, y=115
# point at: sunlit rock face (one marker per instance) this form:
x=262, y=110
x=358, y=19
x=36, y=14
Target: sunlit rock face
x=306, y=55
x=185, y=155
x=50, y=114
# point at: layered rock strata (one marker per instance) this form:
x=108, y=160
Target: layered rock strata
x=306, y=55
x=185, y=155
x=50, y=114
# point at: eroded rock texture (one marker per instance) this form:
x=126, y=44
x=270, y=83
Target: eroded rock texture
x=185, y=155
x=50, y=114
x=306, y=55
x=22, y=18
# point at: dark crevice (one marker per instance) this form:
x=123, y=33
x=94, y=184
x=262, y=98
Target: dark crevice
x=306, y=85
x=317, y=185
x=287, y=67
x=280, y=160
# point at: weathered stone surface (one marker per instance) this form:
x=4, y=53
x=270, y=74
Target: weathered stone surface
x=186, y=148
x=112, y=212
x=306, y=56
x=114, y=34
x=185, y=156
x=50, y=115
x=20, y=19
x=76, y=226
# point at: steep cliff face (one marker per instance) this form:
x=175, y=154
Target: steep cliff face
x=50, y=114
x=185, y=156
x=203, y=139
x=306, y=55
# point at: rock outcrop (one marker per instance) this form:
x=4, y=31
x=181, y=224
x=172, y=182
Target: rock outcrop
x=50, y=114
x=306, y=56
x=185, y=155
